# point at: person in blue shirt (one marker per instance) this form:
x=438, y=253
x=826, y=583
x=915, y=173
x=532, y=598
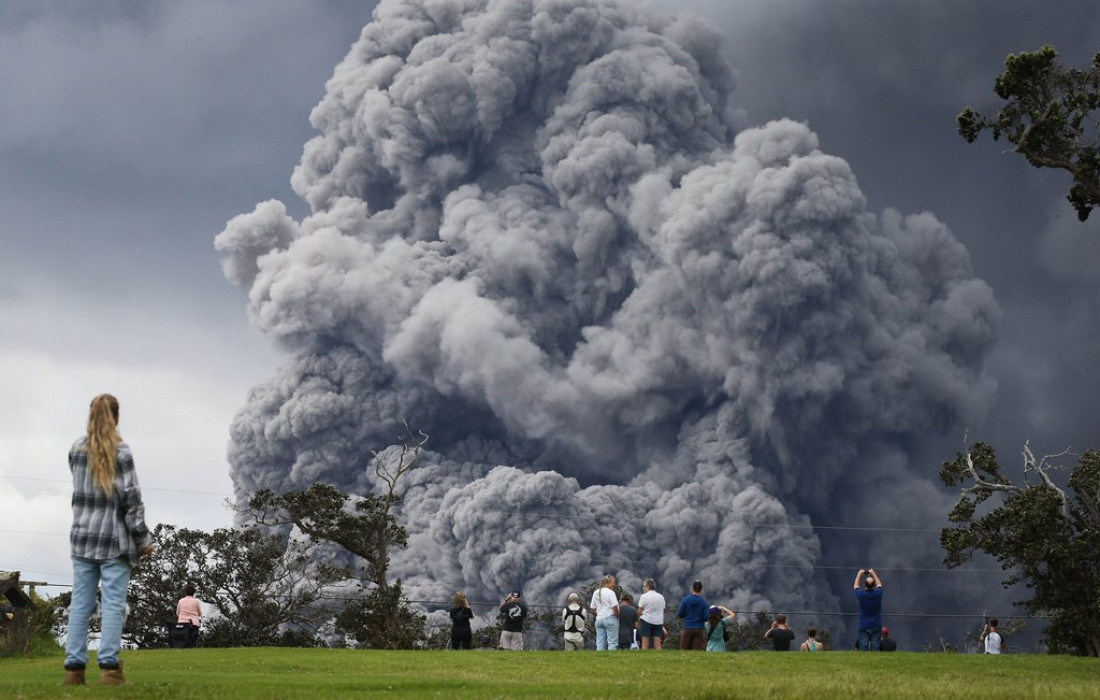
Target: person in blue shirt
x=868, y=591
x=693, y=611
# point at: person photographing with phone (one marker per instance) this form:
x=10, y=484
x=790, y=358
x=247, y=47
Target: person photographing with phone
x=780, y=634
x=991, y=640
x=513, y=612
x=868, y=592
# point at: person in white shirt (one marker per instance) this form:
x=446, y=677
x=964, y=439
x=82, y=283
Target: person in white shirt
x=605, y=606
x=991, y=639
x=651, y=615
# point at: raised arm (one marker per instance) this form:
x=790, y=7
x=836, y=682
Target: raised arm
x=858, y=582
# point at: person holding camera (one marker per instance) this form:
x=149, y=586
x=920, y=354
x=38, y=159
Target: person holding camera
x=718, y=618
x=461, y=633
x=991, y=638
x=780, y=634
x=513, y=611
x=868, y=592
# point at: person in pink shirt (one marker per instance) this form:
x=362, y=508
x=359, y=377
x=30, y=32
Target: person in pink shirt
x=189, y=611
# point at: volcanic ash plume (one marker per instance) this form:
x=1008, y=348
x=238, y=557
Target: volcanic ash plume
x=643, y=338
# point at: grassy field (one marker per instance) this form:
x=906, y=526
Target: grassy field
x=213, y=674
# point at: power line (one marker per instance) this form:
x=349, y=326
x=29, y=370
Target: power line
x=40, y=571
x=220, y=495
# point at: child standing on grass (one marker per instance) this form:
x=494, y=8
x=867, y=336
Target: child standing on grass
x=108, y=537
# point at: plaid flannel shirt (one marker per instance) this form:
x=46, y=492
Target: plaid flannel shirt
x=107, y=526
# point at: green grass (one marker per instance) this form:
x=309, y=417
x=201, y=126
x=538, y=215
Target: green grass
x=319, y=674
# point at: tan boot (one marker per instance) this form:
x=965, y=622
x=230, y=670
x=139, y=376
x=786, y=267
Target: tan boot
x=111, y=676
x=74, y=676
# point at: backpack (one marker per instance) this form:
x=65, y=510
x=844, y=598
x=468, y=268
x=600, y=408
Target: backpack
x=574, y=620
x=725, y=632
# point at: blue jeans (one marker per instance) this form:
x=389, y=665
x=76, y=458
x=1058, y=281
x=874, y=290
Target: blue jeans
x=88, y=574
x=607, y=633
x=870, y=639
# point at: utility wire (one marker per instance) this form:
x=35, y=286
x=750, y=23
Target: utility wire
x=143, y=488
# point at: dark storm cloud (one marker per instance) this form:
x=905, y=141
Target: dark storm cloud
x=643, y=337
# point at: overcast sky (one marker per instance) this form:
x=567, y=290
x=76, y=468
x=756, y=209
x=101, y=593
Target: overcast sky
x=131, y=132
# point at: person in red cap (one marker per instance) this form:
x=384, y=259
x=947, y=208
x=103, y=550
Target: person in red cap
x=887, y=644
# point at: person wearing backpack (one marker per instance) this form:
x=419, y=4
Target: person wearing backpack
x=991, y=639
x=715, y=627
x=573, y=620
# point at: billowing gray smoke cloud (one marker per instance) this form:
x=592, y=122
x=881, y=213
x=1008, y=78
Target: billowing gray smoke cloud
x=643, y=337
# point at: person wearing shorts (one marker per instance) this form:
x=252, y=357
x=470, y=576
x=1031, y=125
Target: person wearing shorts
x=651, y=616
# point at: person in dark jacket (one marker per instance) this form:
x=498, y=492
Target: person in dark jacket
x=461, y=614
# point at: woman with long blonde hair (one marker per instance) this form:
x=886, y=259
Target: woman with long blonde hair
x=461, y=614
x=108, y=538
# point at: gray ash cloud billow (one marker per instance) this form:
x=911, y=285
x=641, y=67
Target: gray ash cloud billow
x=643, y=336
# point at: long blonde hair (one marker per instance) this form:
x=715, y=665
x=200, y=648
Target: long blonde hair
x=103, y=439
x=460, y=600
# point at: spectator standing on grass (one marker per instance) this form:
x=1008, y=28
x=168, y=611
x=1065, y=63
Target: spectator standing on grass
x=991, y=638
x=513, y=611
x=693, y=611
x=628, y=621
x=461, y=614
x=868, y=592
x=780, y=634
x=189, y=611
x=887, y=643
x=605, y=606
x=573, y=621
x=718, y=618
x=651, y=614
x=811, y=643
x=108, y=538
